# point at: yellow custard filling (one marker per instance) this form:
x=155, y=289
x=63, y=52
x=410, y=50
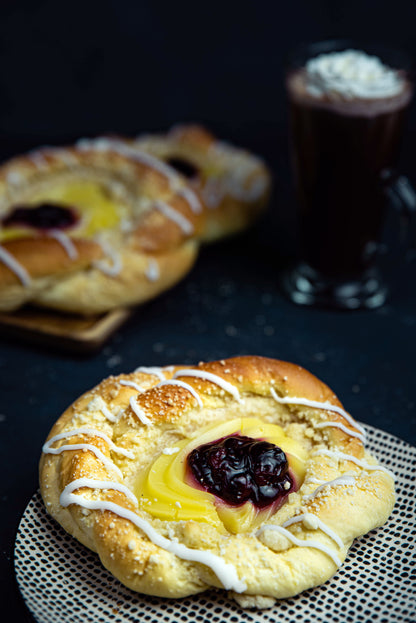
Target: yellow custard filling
x=163, y=491
x=92, y=201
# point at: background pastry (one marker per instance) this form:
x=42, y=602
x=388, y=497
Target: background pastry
x=148, y=470
x=112, y=222
x=233, y=183
x=89, y=228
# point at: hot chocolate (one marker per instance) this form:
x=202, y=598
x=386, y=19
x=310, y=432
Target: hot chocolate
x=347, y=111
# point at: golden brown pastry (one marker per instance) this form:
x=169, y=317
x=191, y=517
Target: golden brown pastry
x=113, y=222
x=233, y=183
x=92, y=227
x=236, y=474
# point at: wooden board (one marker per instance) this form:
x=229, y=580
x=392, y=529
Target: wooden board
x=63, y=331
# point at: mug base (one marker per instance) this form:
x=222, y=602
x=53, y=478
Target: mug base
x=304, y=285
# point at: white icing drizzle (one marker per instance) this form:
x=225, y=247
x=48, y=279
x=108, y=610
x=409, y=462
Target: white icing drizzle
x=94, y=144
x=213, y=193
x=86, y=446
x=65, y=156
x=175, y=216
x=170, y=451
x=191, y=199
x=225, y=572
x=107, y=144
x=152, y=271
x=97, y=484
x=312, y=521
x=125, y=225
x=98, y=404
x=139, y=412
x=209, y=376
x=318, y=405
x=150, y=161
x=300, y=543
x=113, y=269
x=314, y=481
x=14, y=178
x=239, y=181
x=341, y=480
x=349, y=457
x=38, y=160
x=85, y=430
x=186, y=386
x=252, y=192
x=155, y=370
x=65, y=241
x=132, y=384
x=15, y=266
x=344, y=428
x=107, y=413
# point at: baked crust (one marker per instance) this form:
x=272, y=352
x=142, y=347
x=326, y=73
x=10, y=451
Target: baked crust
x=153, y=239
x=234, y=184
x=300, y=546
x=147, y=244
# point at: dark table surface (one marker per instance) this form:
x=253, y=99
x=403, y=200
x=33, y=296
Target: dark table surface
x=229, y=304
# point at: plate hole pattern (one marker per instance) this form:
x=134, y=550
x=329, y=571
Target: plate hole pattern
x=63, y=582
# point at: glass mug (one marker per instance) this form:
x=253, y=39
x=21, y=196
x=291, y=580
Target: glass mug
x=344, y=151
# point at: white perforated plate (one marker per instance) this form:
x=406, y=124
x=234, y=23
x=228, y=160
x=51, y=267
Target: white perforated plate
x=63, y=582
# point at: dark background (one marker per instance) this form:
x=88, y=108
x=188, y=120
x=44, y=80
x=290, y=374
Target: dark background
x=71, y=69
x=87, y=66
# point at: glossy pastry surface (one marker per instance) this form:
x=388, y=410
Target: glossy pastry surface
x=89, y=228
x=147, y=470
x=233, y=183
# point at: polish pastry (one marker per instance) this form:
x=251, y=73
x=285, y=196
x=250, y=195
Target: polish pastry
x=85, y=229
x=107, y=223
x=233, y=183
x=243, y=474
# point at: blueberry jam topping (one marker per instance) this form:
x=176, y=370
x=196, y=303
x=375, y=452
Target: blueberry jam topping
x=43, y=216
x=183, y=166
x=238, y=469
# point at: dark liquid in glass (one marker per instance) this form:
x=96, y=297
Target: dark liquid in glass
x=340, y=150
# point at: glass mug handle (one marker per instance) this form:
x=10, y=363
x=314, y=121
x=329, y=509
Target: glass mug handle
x=402, y=198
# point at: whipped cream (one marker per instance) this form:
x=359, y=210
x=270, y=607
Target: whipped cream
x=351, y=74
